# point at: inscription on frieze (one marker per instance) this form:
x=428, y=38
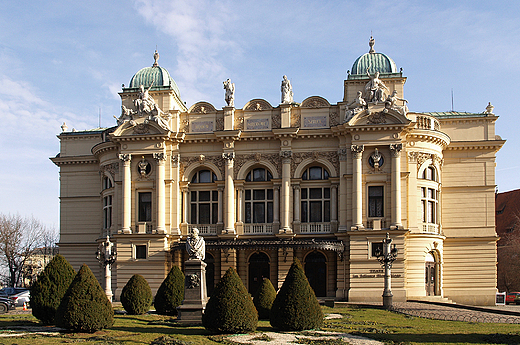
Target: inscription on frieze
x=201, y=126
x=257, y=124
x=315, y=121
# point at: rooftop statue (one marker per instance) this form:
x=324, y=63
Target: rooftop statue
x=374, y=88
x=195, y=246
x=144, y=103
x=230, y=93
x=355, y=106
x=287, y=93
x=391, y=101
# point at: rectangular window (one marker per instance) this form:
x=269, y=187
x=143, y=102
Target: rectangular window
x=315, y=205
x=140, y=251
x=204, y=213
x=145, y=207
x=375, y=201
x=107, y=212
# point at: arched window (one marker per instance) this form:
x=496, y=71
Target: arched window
x=429, y=193
x=204, y=201
x=258, y=202
x=315, y=200
x=316, y=272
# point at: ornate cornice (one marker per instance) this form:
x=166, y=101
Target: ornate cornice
x=59, y=161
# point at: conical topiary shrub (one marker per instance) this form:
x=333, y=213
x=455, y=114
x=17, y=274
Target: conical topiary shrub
x=85, y=307
x=230, y=308
x=264, y=298
x=49, y=288
x=136, y=296
x=171, y=293
x=296, y=307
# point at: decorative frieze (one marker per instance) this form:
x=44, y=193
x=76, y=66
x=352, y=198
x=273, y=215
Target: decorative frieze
x=276, y=121
x=342, y=154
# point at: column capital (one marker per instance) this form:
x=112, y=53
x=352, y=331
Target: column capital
x=286, y=156
x=160, y=157
x=357, y=150
x=342, y=153
x=125, y=157
x=176, y=158
x=395, y=149
x=228, y=156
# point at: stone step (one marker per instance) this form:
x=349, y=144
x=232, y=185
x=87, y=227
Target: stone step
x=437, y=299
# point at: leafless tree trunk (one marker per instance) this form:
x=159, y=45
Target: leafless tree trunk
x=19, y=237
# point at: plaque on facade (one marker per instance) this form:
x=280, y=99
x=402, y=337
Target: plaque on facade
x=201, y=126
x=315, y=121
x=257, y=124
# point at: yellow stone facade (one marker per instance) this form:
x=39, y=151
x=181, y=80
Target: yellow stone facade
x=265, y=184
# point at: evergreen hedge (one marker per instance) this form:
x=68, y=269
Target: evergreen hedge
x=171, y=293
x=85, y=307
x=230, y=308
x=296, y=307
x=264, y=298
x=136, y=296
x=49, y=288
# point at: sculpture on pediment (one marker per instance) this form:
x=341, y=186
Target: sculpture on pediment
x=354, y=107
x=374, y=89
x=287, y=93
x=126, y=115
x=391, y=101
x=230, y=93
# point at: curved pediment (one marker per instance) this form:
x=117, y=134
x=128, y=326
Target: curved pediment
x=315, y=102
x=139, y=127
x=257, y=105
x=378, y=117
x=202, y=108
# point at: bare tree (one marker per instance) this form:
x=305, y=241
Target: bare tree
x=508, y=257
x=19, y=238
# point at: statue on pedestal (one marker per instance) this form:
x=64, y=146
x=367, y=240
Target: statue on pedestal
x=230, y=93
x=374, y=88
x=195, y=246
x=287, y=93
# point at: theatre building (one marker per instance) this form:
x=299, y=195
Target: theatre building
x=309, y=179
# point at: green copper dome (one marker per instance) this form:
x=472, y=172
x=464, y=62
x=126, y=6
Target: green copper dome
x=159, y=76
x=375, y=62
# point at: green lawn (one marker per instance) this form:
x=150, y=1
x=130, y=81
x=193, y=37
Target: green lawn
x=374, y=323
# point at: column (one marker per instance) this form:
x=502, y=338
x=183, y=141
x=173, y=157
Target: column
x=296, y=189
x=240, y=202
x=229, y=194
x=220, y=205
x=342, y=153
x=395, y=151
x=185, y=204
x=286, y=191
x=160, y=158
x=333, y=204
x=357, y=187
x=276, y=206
x=127, y=192
x=175, y=196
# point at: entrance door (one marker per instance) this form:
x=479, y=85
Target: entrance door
x=210, y=273
x=316, y=272
x=259, y=269
x=430, y=275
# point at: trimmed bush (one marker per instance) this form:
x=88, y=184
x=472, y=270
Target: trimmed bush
x=296, y=307
x=230, y=309
x=85, y=307
x=264, y=298
x=171, y=293
x=136, y=296
x=49, y=288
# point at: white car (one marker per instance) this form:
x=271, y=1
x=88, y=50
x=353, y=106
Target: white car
x=20, y=298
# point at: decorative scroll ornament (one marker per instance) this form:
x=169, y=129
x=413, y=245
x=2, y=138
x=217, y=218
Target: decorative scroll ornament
x=286, y=154
x=125, y=157
x=159, y=156
x=315, y=102
x=376, y=118
x=229, y=156
x=342, y=154
x=175, y=160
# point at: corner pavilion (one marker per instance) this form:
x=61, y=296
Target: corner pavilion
x=265, y=184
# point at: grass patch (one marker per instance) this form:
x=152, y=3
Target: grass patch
x=379, y=324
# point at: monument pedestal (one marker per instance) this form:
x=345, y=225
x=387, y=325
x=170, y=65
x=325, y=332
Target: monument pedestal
x=195, y=295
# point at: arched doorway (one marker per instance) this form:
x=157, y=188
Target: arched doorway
x=431, y=276
x=210, y=273
x=316, y=272
x=259, y=269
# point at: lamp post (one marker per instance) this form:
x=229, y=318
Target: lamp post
x=386, y=258
x=106, y=256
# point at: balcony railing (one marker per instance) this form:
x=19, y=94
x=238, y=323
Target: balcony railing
x=426, y=122
x=430, y=228
x=315, y=228
x=204, y=229
x=258, y=229
x=143, y=228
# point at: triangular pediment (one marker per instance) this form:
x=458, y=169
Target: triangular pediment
x=139, y=127
x=378, y=117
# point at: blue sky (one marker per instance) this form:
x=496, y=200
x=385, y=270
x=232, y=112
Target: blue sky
x=65, y=61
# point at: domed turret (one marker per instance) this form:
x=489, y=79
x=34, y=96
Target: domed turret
x=375, y=62
x=159, y=76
